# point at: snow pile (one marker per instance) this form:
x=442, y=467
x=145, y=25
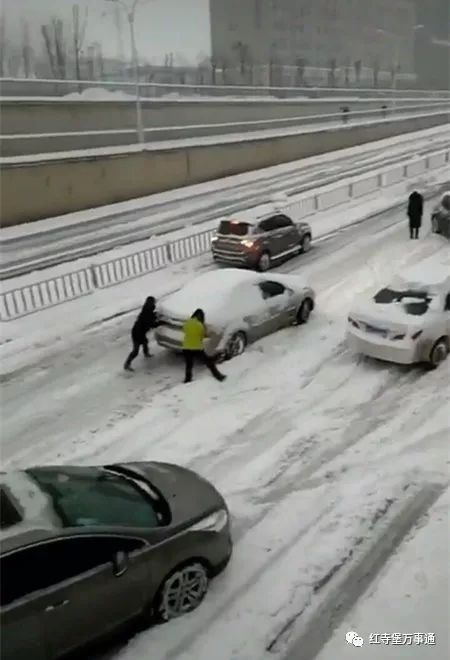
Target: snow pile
x=98, y=94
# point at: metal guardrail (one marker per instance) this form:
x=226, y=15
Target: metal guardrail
x=28, y=299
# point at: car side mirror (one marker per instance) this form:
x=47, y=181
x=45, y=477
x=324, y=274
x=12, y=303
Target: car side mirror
x=120, y=563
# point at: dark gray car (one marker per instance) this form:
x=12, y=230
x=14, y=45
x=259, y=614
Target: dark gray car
x=86, y=549
x=440, y=217
x=259, y=241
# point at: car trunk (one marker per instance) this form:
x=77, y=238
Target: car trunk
x=382, y=322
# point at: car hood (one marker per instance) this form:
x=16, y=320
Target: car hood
x=190, y=496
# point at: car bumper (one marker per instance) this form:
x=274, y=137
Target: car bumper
x=235, y=258
x=382, y=349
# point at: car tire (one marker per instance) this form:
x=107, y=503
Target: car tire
x=264, y=262
x=182, y=591
x=304, y=312
x=439, y=353
x=305, y=243
x=236, y=345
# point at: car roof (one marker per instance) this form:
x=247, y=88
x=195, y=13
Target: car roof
x=254, y=215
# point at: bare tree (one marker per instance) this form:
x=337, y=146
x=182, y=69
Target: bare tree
x=48, y=41
x=3, y=43
x=332, y=72
x=60, y=47
x=301, y=66
x=243, y=53
x=100, y=62
x=376, y=72
x=79, y=33
x=56, y=47
x=27, y=50
x=358, y=70
x=213, y=63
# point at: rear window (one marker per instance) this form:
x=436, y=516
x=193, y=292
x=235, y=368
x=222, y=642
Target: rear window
x=415, y=303
x=234, y=228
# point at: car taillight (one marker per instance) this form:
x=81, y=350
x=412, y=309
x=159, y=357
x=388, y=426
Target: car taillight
x=416, y=335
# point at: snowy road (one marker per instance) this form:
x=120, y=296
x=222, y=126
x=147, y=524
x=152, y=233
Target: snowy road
x=308, y=443
x=58, y=240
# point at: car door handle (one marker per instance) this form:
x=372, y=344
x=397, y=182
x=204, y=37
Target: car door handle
x=54, y=606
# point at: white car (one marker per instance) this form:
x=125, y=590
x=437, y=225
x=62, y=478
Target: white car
x=408, y=321
x=240, y=307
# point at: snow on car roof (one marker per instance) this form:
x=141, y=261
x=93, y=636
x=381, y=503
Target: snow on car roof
x=207, y=292
x=429, y=275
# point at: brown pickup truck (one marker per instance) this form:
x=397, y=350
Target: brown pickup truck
x=259, y=240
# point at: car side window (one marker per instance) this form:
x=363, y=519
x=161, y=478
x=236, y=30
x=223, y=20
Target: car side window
x=45, y=565
x=267, y=225
x=271, y=289
x=447, y=303
x=282, y=221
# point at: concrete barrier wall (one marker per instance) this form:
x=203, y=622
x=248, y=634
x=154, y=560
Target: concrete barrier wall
x=20, y=145
x=28, y=117
x=46, y=188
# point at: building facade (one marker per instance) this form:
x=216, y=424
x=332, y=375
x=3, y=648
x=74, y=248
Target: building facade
x=376, y=34
x=432, y=44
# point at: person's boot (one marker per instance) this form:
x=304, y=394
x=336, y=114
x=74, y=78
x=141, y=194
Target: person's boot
x=127, y=366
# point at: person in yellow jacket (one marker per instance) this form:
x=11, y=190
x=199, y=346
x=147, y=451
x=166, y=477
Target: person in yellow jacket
x=194, y=334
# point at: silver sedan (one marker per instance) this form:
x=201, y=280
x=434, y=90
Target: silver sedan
x=240, y=307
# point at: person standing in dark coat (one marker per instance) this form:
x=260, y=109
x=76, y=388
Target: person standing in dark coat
x=146, y=320
x=415, y=212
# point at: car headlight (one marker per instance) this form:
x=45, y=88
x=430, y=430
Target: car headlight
x=248, y=243
x=212, y=523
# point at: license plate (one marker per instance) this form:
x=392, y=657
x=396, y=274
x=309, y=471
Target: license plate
x=376, y=331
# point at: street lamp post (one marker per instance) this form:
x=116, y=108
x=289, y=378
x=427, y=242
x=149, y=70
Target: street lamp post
x=130, y=12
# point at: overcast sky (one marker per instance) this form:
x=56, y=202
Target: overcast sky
x=162, y=26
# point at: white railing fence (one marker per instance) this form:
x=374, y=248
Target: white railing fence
x=31, y=298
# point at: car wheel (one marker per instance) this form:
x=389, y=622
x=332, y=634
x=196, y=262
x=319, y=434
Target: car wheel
x=305, y=243
x=304, y=312
x=264, y=262
x=438, y=353
x=236, y=345
x=182, y=591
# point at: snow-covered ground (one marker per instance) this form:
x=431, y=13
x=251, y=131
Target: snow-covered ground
x=19, y=343
x=412, y=143
x=411, y=599
x=308, y=442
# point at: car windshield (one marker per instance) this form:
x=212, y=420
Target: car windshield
x=413, y=302
x=96, y=498
x=233, y=228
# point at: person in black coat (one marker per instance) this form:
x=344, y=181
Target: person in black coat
x=146, y=320
x=415, y=212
